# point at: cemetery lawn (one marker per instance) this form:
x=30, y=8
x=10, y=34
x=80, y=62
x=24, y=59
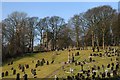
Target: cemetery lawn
x=49, y=71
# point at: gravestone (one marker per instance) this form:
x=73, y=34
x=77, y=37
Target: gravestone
x=103, y=67
x=14, y=72
x=32, y=61
x=20, y=67
x=6, y=73
x=112, y=68
x=47, y=63
x=27, y=66
x=82, y=67
x=2, y=74
x=73, y=59
x=111, y=59
x=103, y=75
x=11, y=62
x=100, y=54
x=108, y=66
x=98, y=67
x=114, y=73
x=113, y=64
x=93, y=49
x=52, y=62
x=108, y=74
x=23, y=69
x=18, y=76
x=79, y=63
x=12, y=68
x=25, y=77
x=43, y=60
x=93, y=77
x=90, y=54
x=97, y=49
x=36, y=65
x=77, y=54
x=38, y=62
x=117, y=66
x=76, y=63
x=90, y=59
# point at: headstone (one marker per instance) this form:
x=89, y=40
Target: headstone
x=97, y=49
x=27, y=66
x=36, y=65
x=117, y=66
x=76, y=63
x=103, y=67
x=47, y=63
x=112, y=64
x=11, y=62
x=38, y=62
x=90, y=59
x=34, y=72
x=14, y=72
x=111, y=59
x=112, y=68
x=2, y=74
x=43, y=60
x=108, y=66
x=6, y=73
x=52, y=62
x=108, y=74
x=20, y=67
x=103, y=75
x=98, y=67
x=25, y=77
x=82, y=67
x=90, y=54
x=93, y=77
x=32, y=61
x=18, y=76
x=12, y=68
x=94, y=73
x=114, y=73
x=100, y=54
x=23, y=69
x=73, y=59
x=93, y=49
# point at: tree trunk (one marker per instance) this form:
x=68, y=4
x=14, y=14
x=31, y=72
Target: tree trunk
x=32, y=44
x=92, y=39
x=103, y=40
x=77, y=38
x=97, y=41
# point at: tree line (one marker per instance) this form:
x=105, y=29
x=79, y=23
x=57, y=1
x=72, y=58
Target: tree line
x=98, y=26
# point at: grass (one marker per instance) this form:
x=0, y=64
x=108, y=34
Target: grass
x=50, y=70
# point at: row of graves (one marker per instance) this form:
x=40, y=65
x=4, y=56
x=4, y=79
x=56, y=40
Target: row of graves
x=23, y=67
x=105, y=71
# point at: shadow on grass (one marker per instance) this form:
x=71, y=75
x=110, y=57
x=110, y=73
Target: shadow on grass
x=19, y=57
